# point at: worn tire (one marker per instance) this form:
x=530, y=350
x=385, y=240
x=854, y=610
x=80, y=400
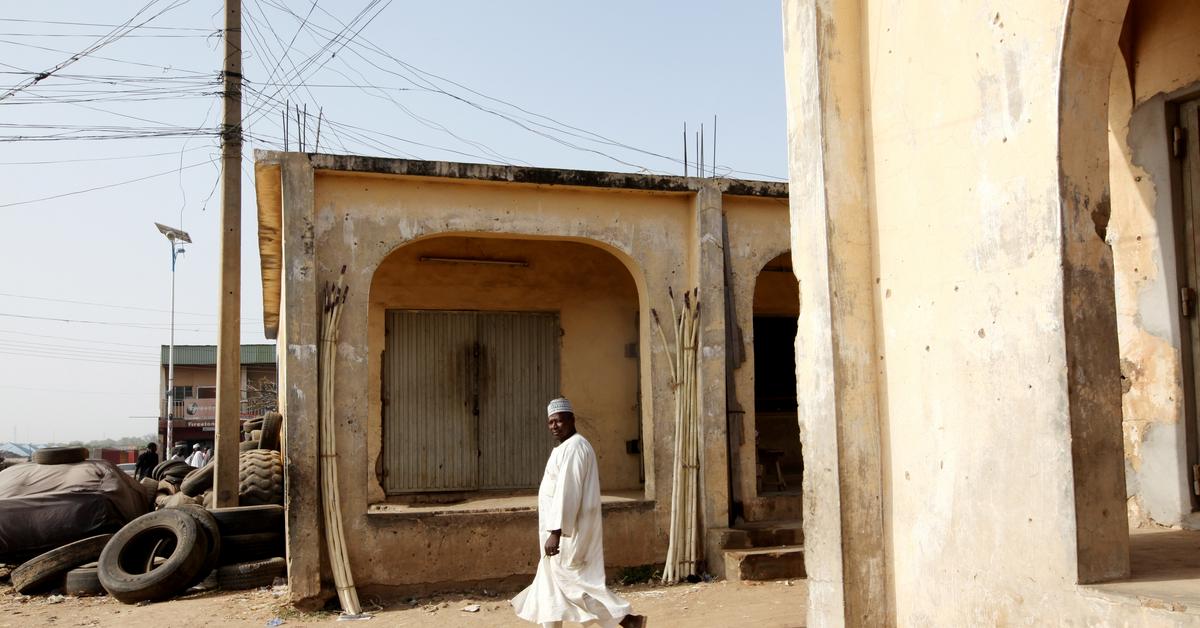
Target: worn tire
x=83, y=582
x=251, y=575
x=179, y=499
x=260, y=477
x=47, y=570
x=240, y=548
x=271, y=428
x=170, y=467
x=248, y=519
x=256, y=435
x=123, y=562
x=198, y=480
x=60, y=455
x=166, y=487
x=212, y=531
x=247, y=445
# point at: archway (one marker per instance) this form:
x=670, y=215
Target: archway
x=778, y=454
x=473, y=335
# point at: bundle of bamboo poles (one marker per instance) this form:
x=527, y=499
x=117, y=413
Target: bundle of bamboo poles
x=682, y=551
x=335, y=536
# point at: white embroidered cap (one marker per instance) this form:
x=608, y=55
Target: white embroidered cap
x=559, y=405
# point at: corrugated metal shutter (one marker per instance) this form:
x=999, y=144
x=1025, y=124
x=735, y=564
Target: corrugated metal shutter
x=519, y=374
x=429, y=420
x=464, y=399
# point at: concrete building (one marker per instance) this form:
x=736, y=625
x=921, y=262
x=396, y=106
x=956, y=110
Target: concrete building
x=193, y=409
x=992, y=215
x=478, y=293
x=992, y=224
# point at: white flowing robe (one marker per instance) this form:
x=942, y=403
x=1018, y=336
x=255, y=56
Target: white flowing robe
x=570, y=586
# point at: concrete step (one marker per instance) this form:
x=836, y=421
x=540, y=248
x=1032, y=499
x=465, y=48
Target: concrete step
x=764, y=563
x=760, y=534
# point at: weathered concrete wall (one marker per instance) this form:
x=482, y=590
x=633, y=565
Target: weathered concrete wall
x=1164, y=56
x=593, y=293
x=950, y=153
x=373, y=216
x=756, y=239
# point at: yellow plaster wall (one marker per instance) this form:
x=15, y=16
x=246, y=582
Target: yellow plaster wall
x=1165, y=45
x=964, y=173
x=362, y=219
x=1165, y=57
x=592, y=292
x=756, y=239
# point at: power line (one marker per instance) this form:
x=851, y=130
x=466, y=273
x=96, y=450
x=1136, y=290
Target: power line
x=72, y=359
x=62, y=23
x=109, y=305
x=75, y=350
x=103, y=342
x=104, y=187
x=155, y=326
x=108, y=158
x=78, y=392
x=114, y=35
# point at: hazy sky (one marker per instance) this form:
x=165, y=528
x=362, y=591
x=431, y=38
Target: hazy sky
x=385, y=74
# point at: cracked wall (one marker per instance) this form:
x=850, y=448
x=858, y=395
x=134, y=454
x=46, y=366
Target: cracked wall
x=1159, y=62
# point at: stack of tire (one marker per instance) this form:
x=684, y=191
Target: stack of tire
x=170, y=474
x=262, y=432
x=182, y=544
x=164, y=553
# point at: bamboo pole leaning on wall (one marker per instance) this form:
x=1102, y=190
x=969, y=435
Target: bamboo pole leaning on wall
x=335, y=535
x=685, y=486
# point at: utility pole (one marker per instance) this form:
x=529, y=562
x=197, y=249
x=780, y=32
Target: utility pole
x=229, y=341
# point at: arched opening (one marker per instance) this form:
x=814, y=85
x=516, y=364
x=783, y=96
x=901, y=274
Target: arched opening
x=1154, y=176
x=1130, y=78
x=474, y=335
x=778, y=454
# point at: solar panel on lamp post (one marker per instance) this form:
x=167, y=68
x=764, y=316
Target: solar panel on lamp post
x=177, y=238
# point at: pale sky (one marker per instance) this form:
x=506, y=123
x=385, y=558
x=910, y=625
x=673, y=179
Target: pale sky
x=429, y=80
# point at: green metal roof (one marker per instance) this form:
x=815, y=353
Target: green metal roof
x=206, y=355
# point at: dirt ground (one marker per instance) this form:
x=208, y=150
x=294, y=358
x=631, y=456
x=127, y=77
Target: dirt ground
x=766, y=604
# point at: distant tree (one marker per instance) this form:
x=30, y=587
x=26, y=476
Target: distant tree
x=261, y=397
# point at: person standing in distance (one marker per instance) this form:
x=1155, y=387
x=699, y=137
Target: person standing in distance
x=146, y=462
x=569, y=585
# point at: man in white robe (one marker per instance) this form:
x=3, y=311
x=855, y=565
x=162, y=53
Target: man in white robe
x=569, y=585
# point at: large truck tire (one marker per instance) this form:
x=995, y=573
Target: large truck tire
x=128, y=569
x=46, y=571
x=251, y=575
x=248, y=445
x=260, y=478
x=60, y=455
x=248, y=519
x=212, y=532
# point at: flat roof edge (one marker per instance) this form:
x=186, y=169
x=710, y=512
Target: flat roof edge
x=529, y=175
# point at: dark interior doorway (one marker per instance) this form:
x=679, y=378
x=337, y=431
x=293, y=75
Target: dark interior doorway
x=777, y=433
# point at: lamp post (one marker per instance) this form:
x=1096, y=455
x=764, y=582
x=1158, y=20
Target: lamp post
x=177, y=238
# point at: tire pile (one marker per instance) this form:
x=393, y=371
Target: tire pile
x=185, y=542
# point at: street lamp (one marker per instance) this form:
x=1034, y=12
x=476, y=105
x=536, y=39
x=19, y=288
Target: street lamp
x=177, y=238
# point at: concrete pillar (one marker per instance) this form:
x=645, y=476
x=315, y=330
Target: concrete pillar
x=298, y=339
x=1090, y=326
x=709, y=276
x=836, y=364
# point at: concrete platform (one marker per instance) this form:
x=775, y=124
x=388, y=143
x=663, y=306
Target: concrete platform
x=765, y=563
x=1165, y=566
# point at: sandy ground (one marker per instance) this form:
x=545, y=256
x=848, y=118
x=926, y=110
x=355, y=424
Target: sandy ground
x=766, y=604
